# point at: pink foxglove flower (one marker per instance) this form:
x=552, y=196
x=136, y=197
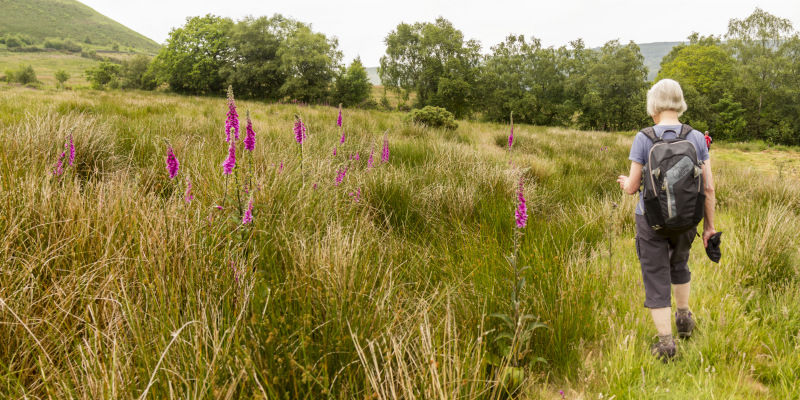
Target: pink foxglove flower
x=299, y=130
x=248, y=215
x=371, y=159
x=232, y=122
x=334, y=150
x=172, y=164
x=522, y=210
x=230, y=162
x=356, y=195
x=71, y=151
x=188, y=196
x=356, y=156
x=340, y=174
x=341, y=140
x=339, y=119
x=250, y=137
x=59, y=168
x=280, y=169
x=385, y=151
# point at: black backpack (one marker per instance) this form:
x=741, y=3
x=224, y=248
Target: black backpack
x=673, y=184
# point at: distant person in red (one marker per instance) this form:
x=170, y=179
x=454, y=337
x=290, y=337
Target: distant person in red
x=708, y=140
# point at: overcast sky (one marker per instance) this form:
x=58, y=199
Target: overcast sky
x=362, y=25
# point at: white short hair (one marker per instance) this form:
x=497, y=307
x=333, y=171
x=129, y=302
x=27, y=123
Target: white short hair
x=665, y=95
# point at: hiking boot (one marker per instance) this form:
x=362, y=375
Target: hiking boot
x=685, y=325
x=664, y=351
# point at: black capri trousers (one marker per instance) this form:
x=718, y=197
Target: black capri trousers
x=665, y=262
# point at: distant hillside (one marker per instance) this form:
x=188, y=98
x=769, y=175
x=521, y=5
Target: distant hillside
x=68, y=19
x=652, y=52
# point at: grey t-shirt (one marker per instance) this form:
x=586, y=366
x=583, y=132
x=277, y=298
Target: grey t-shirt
x=640, y=150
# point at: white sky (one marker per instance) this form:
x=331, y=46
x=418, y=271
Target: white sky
x=361, y=25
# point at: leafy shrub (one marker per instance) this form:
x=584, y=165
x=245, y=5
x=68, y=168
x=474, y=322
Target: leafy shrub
x=12, y=42
x=103, y=74
x=61, y=76
x=25, y=74
x=9, y=75
x=434, y=117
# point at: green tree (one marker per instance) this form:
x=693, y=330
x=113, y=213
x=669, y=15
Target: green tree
x=9, y=75
x=103, y=74
x=13, y=42
x=531, y=81
x=25, y=74
x=254, y=69
x=418, y=56
x=136, y=73
x=616, y=89
x=758, y=43
x=191, y=60
x=62, y=77
x=731, y=122
x=352, y=85
x=310, y=61
x=705, y=71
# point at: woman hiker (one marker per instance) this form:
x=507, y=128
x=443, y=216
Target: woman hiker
x=664, y=260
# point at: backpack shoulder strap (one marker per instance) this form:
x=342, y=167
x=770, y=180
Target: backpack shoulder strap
x=651, y=134
x=685, y=131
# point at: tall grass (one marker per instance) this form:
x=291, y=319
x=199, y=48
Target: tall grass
x=113, y=287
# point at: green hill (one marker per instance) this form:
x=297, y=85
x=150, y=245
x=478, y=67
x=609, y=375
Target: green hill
x=68, y=19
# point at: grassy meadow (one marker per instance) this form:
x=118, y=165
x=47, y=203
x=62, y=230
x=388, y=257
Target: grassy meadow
x=380, y=287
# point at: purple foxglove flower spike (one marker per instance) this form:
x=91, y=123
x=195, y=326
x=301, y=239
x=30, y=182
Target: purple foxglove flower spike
x=385, y=151
x=370, y=160
x=59, y=168
x=339, y=120
x=280, y=169
x=299, y=130
x=233, y=119
x=341, y=140
x=71, y=151
x=230, y=162
x=340, y=174
x=248, y=215
x=172, y=164
x=188, y=196
x=250, y=137
x=522, y=210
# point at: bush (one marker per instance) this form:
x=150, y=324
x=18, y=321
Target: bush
x=12, y=42
x=25, y=74
x=9, y=75
x=61, y=76
x=434, y=117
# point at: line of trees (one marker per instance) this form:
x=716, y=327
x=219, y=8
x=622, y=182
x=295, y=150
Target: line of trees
x=266, y=58
x=743, y=86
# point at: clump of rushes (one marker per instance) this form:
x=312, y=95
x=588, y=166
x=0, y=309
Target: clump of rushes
x=516, y=330
x=385, y=151
x=173, y=166
x=511, y=135
x=300, y=136
x=232, y=122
